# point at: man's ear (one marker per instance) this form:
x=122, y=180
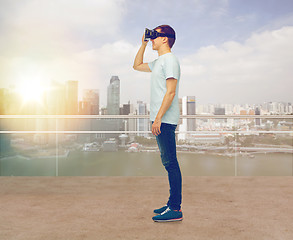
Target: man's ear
x=165, y=39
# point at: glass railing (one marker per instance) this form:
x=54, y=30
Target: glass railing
x=108, y=145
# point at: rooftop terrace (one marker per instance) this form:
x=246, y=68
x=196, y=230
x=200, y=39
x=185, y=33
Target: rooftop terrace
x=77, y=208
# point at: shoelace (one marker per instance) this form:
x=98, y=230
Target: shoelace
x=167, y=210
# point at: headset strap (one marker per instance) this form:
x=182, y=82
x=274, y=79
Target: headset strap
x=166, y=35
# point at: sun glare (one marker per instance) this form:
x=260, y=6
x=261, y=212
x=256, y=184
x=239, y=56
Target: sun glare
x=31, y=91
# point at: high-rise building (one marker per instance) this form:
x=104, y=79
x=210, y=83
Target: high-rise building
x=188, y=108
x=290, y=108
x=90, y=103
x=71, y=94
x=142, y=123
x=113, y=96
x=125, y=109
x=229, y=109
x=56, y=103
x=219, y=111
x=257, y=120
x=84, y=108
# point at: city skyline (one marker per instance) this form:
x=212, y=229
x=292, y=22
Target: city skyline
x=64, y=99
x=230, y=51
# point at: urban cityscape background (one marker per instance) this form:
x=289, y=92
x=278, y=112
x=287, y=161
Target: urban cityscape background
x=62, y=99
x=63, y=113
x=211, y=138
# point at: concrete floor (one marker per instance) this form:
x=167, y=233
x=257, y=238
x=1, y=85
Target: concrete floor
x=75, y=208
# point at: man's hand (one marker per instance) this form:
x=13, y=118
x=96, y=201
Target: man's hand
x=156, y=127
x=143, y=42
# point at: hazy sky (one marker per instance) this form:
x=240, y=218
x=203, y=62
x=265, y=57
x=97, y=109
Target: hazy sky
x=231, y=51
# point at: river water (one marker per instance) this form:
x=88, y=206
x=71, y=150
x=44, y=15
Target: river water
x=121, y=163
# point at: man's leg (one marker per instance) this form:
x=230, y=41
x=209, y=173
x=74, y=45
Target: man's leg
x=167, y=145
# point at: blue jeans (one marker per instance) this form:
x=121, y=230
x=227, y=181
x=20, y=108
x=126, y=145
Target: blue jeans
x=167, y=145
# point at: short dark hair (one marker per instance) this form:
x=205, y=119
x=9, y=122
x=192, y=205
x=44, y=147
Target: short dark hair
x=168, y=30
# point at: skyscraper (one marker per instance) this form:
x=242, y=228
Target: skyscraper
x=71, y=93
x=113, y=96
x=126, y=109
x=56, y=103
x=220, y=111
x=90, y=101
x=142, y=123
x=257, y=120
x=188, y=108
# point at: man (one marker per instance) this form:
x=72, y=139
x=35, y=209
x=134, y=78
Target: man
x=164, y=113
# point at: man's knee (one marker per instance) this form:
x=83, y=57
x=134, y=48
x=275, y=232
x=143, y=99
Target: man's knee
x=171, y=164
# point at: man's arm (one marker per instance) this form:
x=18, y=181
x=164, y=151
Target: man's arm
x=138, y=61
x=167, y=101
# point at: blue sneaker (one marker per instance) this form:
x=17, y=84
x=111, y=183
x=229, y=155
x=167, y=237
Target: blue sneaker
x=169, y=215
x=160, y=210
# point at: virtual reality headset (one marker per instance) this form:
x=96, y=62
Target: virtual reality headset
x=153, y=34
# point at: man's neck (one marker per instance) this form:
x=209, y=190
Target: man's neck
x=163, y=50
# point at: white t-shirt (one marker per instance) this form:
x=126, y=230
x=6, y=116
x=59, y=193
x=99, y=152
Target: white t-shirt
x=166, y=66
